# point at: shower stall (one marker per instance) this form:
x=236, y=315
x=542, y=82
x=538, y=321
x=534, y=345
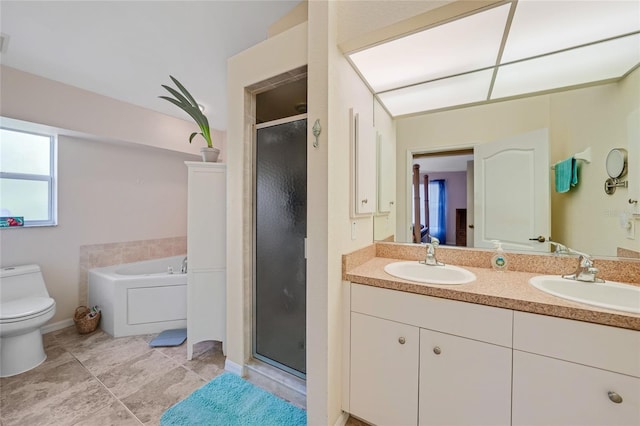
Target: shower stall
x=280, y=229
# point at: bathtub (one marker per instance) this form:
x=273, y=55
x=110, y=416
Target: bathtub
x=140, y=298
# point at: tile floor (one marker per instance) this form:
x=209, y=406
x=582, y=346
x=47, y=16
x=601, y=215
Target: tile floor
x=95, y=379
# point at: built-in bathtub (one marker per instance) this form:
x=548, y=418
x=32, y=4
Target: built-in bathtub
x=140, y=298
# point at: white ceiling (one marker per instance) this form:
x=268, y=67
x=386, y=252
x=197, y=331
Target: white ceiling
x=127, y=49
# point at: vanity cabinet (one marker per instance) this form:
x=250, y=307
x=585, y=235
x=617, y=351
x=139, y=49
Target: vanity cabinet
x=423, y=360
x=384, y=370
x=463, y=381
x=569, y=372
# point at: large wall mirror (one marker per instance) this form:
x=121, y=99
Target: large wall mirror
x=595, y=118
x=507, y=81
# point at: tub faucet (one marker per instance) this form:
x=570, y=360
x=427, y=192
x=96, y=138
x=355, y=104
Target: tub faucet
x=183, y=269
x=430, y=258
x=586, y=271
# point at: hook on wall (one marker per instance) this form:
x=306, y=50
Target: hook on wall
x=317, y=129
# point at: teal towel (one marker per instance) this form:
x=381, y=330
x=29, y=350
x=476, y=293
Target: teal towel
x=566, y=174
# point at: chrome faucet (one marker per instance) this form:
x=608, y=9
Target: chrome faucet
x=430, y=258
x=183, y=269
x=586, y=271
x=561, y=249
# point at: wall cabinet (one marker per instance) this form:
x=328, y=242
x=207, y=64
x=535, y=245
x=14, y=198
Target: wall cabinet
x=206, y=253
x=363, y=166
x=476, y=365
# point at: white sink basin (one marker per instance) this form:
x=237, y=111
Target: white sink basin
x=609, y=295
x=419, y=272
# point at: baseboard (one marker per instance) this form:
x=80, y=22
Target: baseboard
x=56, y=326
x=342, y=419
x=232, y=367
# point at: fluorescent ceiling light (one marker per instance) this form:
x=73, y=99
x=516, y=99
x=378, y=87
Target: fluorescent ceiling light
x=542, y=26
x=459, y=90
x=452, y=64
x=596, y=62
x=453, y=48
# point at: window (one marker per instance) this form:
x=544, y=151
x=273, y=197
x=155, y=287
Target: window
x=27, y=176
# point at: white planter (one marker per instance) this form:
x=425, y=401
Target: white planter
x=209, y=155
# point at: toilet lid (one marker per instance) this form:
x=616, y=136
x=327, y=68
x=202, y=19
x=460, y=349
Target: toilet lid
x=24, y=307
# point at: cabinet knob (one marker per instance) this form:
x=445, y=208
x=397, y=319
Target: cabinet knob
x=401, y=340
x=365, y=201
x=614, y=397
x=437, y=350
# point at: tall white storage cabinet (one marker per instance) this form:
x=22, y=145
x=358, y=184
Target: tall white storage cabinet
x=206, y=253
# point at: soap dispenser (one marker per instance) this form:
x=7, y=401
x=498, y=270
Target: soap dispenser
x=499, y=259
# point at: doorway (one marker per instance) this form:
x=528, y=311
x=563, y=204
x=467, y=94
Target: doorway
x=440, y=195
x=279, y=294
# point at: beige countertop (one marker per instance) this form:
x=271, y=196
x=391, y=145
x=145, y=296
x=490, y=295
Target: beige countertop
x=509, y=290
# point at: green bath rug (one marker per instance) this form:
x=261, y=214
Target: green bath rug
x=231, y=401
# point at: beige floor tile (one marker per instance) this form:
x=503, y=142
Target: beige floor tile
x=106, y=355
x=128, y=377
x=150, y=401
x=21, y=392
x=115, y=414
x=63, y=408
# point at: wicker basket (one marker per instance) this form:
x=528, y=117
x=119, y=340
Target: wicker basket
x=84, y=323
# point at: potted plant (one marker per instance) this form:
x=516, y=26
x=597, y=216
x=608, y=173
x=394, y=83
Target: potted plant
x=188, y=104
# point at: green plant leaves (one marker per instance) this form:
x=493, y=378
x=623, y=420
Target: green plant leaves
x=188, y=104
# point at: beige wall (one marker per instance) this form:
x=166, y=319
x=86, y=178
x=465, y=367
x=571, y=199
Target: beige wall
x=29, y=97
x=585, y=218
x=107, y=193
x=280, y=54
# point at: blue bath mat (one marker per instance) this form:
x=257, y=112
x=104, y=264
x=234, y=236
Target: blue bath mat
x=170, y=338
x=231, y=401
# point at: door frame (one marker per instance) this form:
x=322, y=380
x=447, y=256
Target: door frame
x=254, y=218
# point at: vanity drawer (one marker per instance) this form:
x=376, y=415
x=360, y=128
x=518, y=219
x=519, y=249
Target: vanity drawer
x=479, y=322
x=601, y=346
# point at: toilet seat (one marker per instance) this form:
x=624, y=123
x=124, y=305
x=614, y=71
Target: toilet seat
x=25, y=309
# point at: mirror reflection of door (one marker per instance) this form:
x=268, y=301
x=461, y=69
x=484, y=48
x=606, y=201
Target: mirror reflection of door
x=512, y=177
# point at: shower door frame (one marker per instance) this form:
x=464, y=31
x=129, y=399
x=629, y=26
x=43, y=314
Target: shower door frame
x=254, y=354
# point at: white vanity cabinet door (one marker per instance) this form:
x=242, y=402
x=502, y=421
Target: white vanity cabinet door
x=548, y=392
x=463, y=381
x=384, y=371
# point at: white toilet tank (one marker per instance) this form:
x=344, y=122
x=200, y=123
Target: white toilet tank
x=17, y=282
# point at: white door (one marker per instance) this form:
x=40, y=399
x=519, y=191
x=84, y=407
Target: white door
x=512, y=192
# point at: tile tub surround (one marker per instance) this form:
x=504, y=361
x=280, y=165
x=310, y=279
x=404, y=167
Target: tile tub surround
x=99, y=255
x=509, y=290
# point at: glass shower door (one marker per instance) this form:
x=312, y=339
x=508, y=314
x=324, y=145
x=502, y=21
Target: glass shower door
x=280, y=230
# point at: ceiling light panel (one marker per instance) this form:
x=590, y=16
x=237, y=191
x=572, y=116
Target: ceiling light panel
x=543, y=26
x=597, y=62
x=456, y=47
x=460, y=90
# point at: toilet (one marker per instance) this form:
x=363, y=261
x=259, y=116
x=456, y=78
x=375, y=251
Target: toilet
x=25, y=306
